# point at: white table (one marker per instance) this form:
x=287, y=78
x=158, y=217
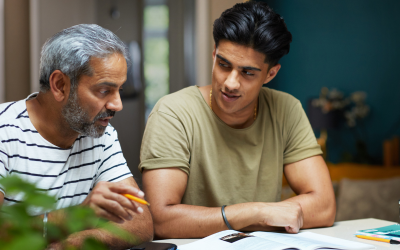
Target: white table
x=343, y=229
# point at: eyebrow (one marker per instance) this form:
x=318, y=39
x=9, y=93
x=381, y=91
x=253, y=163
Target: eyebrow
x=241, y=67
x=109, y=84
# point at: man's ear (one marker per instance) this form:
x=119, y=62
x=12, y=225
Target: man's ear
x=214, y=52
x=59, y=85
x=272, y=72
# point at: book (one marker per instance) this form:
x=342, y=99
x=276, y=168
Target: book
x=232, y=240
x=391, y=232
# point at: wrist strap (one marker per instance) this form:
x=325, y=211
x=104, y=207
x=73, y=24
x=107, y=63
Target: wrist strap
x=224, y=216
x=45, y=225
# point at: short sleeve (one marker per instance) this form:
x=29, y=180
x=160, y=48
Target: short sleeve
x=113, y=166
x=299, y=136
x=165, y=143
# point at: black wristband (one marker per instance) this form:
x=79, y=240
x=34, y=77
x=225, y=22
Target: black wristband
x=224, y=216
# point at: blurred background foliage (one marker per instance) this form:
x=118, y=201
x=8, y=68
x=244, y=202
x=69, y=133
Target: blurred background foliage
x=19, y=230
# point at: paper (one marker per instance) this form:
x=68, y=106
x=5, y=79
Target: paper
x=232, y=240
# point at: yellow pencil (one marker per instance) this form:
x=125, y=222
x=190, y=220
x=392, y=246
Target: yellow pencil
x=372, y=238
x=134, y=198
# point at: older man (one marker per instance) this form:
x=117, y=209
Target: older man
x=228, y=143
x=61, y=139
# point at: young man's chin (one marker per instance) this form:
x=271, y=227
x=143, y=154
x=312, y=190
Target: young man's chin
x=229, y=107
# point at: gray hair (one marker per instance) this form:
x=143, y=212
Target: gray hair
x=71, y=49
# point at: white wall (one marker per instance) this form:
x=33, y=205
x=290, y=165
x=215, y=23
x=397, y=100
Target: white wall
x=48, y=17
x=206, y=13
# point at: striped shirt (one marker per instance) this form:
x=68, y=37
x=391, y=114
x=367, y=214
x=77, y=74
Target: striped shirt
x=68, y=174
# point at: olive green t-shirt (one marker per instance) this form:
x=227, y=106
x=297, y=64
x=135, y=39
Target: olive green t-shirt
x=226, y=166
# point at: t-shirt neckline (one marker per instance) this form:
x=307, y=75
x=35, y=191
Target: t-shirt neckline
x=259, y=113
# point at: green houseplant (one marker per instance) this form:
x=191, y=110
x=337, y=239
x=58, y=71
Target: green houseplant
x=20, y=230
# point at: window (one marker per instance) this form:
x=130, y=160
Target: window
x=156, y=52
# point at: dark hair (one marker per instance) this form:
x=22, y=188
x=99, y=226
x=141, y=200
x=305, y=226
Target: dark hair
x=256, y=25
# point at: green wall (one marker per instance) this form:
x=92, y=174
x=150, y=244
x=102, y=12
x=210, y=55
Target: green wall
x=350, y=45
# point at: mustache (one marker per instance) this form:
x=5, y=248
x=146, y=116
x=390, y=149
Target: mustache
x=228, y=91
x=107, y=113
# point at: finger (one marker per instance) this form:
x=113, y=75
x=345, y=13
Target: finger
x=292, y=230
x=124, y=201
x=126, y=189
x=111, y=205
x=138, y=209
x=107, y=215
x=108, y=190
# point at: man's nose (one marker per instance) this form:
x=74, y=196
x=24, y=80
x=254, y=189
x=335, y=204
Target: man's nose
x=232, y=81
x=115, y=103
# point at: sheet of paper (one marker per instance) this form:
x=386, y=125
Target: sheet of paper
x=290, y=239
x=233, y=240
x=332, y=241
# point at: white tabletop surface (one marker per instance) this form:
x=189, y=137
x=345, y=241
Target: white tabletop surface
x=342, y=229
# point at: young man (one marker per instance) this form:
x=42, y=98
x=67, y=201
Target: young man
x=61, y=139
x=228, y=143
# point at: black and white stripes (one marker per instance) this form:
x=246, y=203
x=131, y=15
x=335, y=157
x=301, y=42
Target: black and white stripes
x=68, y=174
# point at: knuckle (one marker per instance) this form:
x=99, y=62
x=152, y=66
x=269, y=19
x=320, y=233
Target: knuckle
x=96, y=191
x=95, y=199
x=114, y=205
x=104, y=214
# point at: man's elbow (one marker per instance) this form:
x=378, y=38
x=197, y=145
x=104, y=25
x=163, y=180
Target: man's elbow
x=164, y=226
x=329, y=214
x=324, y=216
x=161, y=230
x=147, y=231
x=141, y=228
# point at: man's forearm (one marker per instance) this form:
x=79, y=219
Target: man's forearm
x=140, y=228
x=302, y=211
x=140, y=233
x=188, y=221
x=319, y=209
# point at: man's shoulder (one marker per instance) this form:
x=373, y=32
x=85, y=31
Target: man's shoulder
x=278, y=96
x=14, y=120
x=11, y=110
x=182, y=101
x=278, y=101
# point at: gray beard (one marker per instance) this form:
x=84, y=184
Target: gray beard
x=78, y=119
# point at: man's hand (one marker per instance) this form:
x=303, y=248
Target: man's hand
x=285, y=214
x=107, y=201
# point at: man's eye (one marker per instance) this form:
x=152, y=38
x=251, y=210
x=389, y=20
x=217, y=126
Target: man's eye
x=248, y=73
x=224, y=65
x=103, y=91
